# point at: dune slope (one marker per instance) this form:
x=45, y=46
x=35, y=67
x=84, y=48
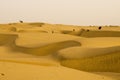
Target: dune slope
x=48, y=49
x=15, y=71
x=41, y=51
x=104, y=63
x=86, y=52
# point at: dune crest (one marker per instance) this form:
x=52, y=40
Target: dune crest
x=41, y=51
x=47, y=49
x=82, y=52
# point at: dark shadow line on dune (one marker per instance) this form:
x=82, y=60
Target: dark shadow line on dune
x=39, y=51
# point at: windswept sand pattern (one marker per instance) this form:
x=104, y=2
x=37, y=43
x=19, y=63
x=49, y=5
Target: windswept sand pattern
x=7, y=39
x=105, y=63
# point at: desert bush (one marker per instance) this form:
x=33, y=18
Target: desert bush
x=21, y=21
x=87, y=30
x=73, y=29
x=52, y=32
x=99, y=27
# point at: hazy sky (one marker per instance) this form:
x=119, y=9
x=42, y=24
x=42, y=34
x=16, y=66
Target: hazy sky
x=80, y=12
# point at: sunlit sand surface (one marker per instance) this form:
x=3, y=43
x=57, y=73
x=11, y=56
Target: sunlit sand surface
x=42, y=51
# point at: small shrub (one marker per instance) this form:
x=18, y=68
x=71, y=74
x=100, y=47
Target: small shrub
x=87, y=30
x=100, y=28
x=52, y=32
x=2, y=74
x=21, y=21
x=73, y=29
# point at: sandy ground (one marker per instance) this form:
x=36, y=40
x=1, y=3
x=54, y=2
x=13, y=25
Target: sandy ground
x=41, y=51
x=110, y=74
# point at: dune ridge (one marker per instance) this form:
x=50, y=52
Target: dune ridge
x=104, y=63
x=81, y=52
x=41, y=51
x=47, y=49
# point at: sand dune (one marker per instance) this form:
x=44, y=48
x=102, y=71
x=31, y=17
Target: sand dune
x=104, y=63
x=99, y=42
x=101, y=34
x=43, y=50
x=110, y=74
x=75, y=33
x=37, y=24
x=40, y=39
x=40, y=50
x=35, y=31
x=80, y=52
x=15, y=71
x=48, y=49
x=7, y=38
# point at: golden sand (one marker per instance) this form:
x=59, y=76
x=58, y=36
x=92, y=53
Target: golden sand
x=42, y=51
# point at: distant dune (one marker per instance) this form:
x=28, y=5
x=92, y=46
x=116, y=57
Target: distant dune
x=91, y=33
x=101, y=34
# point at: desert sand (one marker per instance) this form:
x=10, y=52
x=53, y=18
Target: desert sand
x=42, y=51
